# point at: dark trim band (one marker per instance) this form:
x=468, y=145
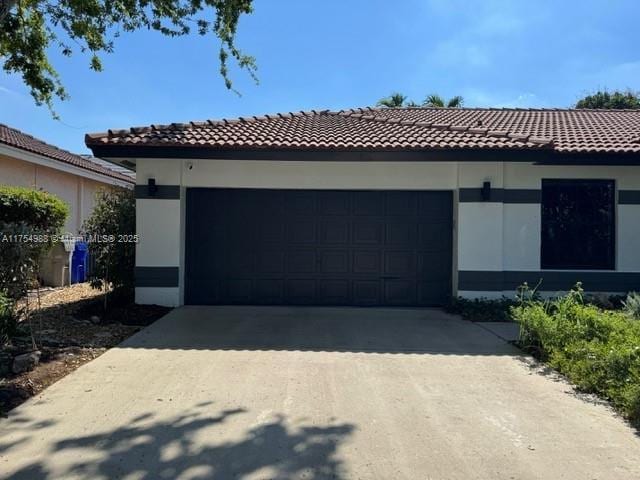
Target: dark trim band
x=163, y=192
x=542, y=156
x=495, y=281
x=157, y=276
x=629, y=197
x=500, y=195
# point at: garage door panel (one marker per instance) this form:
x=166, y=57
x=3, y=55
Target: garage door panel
x=269, y=230
x=239, y=261
x=403, y=204
x=367, y=292
x=399, y=263
x=433, y=265
x=400, y=292
x=318, y=247
x=334, y=261
x=334, y=231
x=270, y=262
x=367, y=261
x=430, y=236
x=300, y=202
x=269, y=291
x=334, y=292
x=301, y=291
x=302, y=231
x=333, y=203
x=368, y=232
x=400, y=233
x=368, y=204
x=435, y=207
x=302, y=261
x=238, y=290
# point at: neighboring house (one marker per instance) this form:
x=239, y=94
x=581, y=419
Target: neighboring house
x=399, y=206
x=28, y=162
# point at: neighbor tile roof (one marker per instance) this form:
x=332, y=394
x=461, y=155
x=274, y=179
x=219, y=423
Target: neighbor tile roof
x=17, y=139
x=400, y=129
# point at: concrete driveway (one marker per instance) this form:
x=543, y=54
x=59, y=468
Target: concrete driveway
x=341, y=393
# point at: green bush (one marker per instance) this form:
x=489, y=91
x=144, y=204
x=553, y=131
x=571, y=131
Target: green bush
x=631, y=305
x=36, y=208
x=28, y=219
x=113, y=220
x=8, y=320
x=481, y=309
x=598, y=350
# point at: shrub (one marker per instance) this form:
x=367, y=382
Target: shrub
x=113, y=219
x=8, y=320
x=481, y=309
x=28, y=218
x=631, y=305
x=598, y=350
x=36, y=208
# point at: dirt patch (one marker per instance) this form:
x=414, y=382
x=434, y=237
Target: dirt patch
x=71, y=328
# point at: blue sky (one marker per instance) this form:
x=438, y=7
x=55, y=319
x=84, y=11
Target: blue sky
x=348, y=53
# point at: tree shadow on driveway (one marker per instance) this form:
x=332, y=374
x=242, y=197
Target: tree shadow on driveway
x=188, y=446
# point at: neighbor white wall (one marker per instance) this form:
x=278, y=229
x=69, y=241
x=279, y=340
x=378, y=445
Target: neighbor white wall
x=78, y=192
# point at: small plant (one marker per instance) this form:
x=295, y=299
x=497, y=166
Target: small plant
x=482, y=309
x=631, y=305
x=8, y=320
x=113, y=218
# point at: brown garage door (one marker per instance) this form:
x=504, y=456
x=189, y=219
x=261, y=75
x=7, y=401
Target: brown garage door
x=314, y=247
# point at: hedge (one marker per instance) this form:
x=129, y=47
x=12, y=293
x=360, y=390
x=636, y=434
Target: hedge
x=28, y=218
x=39, y=209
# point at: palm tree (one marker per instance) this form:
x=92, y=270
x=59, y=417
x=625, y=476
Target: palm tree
x=394, y=100
x=437, y=101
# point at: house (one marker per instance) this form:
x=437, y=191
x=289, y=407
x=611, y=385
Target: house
x=26, y=161
x=397, y=206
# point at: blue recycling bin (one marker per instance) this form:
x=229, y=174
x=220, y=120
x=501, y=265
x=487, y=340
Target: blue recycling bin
x=79, y=261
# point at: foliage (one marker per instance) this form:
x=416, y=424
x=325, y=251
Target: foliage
x=8, y=320
x=605, y=99
x=110, y=227
x=399, y=100
x=28, y=218
x=481, y=309
x=394, y=100
x=30, y=28
x=631, y=305
x=598, y=350
x=35, y=207
x=438, y=102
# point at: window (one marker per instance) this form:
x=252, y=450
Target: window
x=578, y=224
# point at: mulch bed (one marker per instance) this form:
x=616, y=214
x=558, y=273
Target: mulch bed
x=71, y=328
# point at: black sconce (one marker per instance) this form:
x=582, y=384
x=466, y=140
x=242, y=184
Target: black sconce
x=152, y=188
x=486, y=191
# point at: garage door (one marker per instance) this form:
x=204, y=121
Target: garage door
x=307, y=247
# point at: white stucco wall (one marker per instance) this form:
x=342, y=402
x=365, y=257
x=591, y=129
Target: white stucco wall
x=490, y=236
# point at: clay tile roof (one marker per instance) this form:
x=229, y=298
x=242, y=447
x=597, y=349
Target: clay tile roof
x=18, y=139
x=569, y=131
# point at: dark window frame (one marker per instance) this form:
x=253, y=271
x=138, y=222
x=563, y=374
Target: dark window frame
x=606, y=262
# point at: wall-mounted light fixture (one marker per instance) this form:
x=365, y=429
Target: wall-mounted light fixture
x=486, y=191
x=152, y=188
